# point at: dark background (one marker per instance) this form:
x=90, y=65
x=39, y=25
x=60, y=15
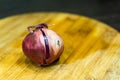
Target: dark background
x=107, y=11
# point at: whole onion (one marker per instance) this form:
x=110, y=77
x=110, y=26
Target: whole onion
x=42, y=45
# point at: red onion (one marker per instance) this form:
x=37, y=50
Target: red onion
x=42, y=45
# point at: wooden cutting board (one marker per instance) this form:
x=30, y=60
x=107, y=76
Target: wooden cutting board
x=92, y=49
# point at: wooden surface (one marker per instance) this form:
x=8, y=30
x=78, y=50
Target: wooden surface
x=92, y=49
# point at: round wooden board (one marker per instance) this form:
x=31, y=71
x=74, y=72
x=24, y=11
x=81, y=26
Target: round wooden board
x=92, y=49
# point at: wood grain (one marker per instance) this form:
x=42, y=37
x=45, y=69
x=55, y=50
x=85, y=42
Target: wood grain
x=92, y=49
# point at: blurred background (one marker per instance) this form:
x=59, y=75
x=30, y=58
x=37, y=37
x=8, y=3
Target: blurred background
x=107, y=11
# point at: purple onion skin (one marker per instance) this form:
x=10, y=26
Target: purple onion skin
x=42, y=45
